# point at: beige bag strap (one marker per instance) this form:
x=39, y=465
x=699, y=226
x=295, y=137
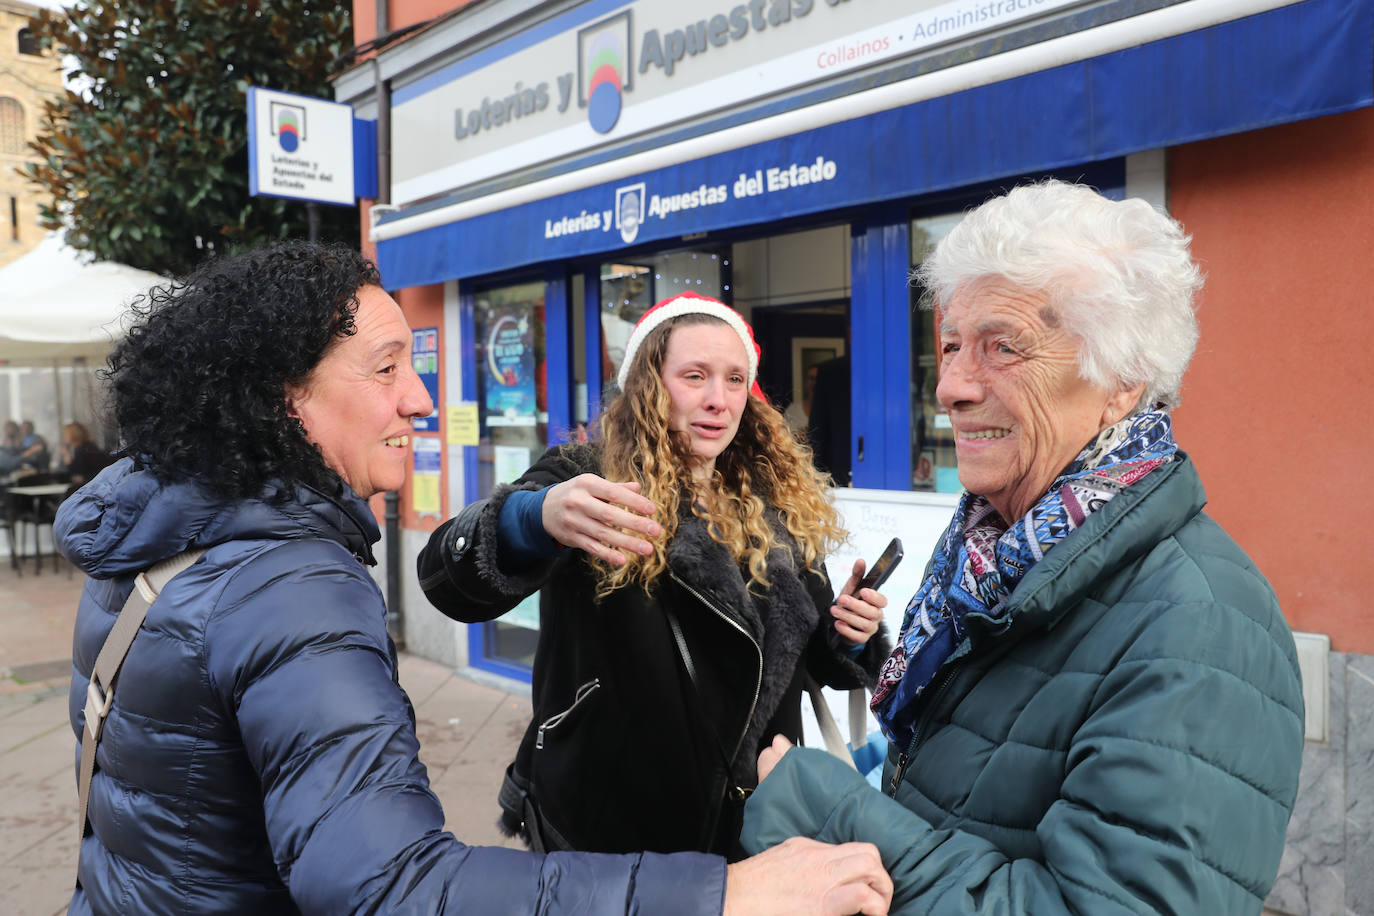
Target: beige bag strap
x=830, y=729
x=858, y=718
x=100, y=692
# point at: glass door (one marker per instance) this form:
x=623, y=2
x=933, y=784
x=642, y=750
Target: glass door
x=512, y=409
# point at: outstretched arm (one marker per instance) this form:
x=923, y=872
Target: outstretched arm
x=472, y=572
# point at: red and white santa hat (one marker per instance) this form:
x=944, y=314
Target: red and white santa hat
x=690, y=304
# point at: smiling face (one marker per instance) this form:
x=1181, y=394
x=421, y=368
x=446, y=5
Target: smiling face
x=706, y=373
x=1009, y=380
x=358, y=402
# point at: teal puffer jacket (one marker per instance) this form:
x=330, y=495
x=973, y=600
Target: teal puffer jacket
x=1125, y=739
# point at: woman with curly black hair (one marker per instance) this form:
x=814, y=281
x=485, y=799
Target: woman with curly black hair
x=684, y=596
x=260, y=756
x=199, y=387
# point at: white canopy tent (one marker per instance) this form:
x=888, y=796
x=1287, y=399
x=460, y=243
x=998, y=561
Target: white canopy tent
x=56, y=305
x=61, y=311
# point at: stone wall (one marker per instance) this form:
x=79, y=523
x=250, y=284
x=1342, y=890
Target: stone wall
x=1328, y=863
x=29, y=80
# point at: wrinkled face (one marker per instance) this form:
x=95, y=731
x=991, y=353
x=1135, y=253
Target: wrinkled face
x=1009, y=379
x=359, y=400
x=706, y=372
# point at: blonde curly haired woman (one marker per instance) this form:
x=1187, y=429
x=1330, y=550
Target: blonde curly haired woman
x=684, y=597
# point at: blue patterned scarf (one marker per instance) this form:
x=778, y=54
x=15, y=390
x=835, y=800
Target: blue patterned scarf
x=980, y=559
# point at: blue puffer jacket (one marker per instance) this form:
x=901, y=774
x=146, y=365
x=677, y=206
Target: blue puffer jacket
x=260, y=756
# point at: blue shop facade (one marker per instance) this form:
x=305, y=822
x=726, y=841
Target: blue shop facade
x=555, y=169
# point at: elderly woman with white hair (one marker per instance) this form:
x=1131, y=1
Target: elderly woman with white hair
x=1094, y=705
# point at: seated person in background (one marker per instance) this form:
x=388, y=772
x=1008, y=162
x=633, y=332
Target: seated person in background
x=10, y=448
x=33, y=448
x=79, y=456
x=1095, y=704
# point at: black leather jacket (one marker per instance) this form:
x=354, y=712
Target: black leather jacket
x=641, y=699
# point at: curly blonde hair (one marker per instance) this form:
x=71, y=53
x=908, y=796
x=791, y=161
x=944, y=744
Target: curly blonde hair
x=764, y=465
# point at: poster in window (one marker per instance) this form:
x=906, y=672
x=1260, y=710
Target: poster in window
x=509, y=368
x=509, y=462
x=424, y=357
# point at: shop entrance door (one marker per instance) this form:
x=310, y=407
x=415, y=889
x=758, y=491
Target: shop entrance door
x=510, y=369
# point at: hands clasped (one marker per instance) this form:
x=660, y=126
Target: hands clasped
x=602, y=517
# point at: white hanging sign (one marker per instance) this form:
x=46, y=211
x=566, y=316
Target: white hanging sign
x=300, y=147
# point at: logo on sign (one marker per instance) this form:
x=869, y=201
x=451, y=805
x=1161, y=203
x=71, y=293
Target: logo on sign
x=629, y=210
x=288, y=125
x=603, y=69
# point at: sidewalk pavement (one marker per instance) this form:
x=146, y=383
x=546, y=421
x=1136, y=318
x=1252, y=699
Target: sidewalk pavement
x=468, y=733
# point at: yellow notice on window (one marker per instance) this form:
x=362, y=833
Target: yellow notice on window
x=424, y=494
x=426, y=475
x=462, y=424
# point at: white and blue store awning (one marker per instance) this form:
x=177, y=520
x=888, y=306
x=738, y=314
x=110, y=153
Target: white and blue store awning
x=1027, y=110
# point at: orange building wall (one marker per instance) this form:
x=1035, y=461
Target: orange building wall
x=1276, y=404
x=399, y=13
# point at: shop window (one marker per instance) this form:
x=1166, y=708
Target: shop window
x=28, y=43
x=512, y=398
x=933, y=466
x=630, y=287
x=795, y=288
x=11, y=126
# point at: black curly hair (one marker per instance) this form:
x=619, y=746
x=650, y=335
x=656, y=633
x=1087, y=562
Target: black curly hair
x=198, y=384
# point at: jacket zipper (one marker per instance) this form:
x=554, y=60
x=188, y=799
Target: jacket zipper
x=557, y=718
x=903, y=760
x=758, y=681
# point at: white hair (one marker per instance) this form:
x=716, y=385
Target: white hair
x=1118, y=275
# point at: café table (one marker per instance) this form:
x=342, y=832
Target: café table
x=39, y=496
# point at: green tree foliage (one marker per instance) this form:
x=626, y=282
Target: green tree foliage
x=146, y=157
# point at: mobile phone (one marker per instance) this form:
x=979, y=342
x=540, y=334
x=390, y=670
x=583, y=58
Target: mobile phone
x=879, y=571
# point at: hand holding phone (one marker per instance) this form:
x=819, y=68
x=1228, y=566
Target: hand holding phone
x=878, y=573
x=856, y=618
